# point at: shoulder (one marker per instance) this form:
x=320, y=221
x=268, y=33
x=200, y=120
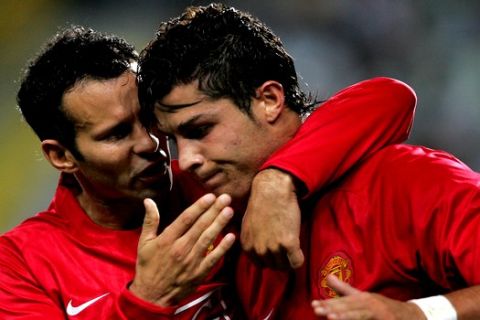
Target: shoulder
x=408, y=158
x=31, y=231
x=418, y=169
x=35, y=236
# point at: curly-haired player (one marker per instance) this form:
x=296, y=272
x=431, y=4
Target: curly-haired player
x=403, y=223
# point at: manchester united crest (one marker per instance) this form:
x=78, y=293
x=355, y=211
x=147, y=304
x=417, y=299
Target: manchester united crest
x=339, y=265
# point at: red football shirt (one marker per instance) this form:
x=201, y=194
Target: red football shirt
x=59, y=264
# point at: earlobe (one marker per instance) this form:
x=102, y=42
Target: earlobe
x=58, y=156
x=271, y=94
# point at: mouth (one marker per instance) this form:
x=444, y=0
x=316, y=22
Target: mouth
x=154, y=171
x=211, y=180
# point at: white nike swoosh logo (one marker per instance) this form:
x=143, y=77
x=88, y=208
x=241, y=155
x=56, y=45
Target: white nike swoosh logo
x=73, y=311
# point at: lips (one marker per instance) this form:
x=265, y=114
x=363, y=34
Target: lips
x=156, y=169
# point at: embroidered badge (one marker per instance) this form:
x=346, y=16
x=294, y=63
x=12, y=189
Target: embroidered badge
x=339, y=265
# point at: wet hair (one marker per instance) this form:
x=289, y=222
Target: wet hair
x=230, y=52
x=74, y=54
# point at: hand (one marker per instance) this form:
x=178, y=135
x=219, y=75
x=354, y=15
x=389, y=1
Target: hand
x=172, y=264
x=271, y=224
x=355, y=304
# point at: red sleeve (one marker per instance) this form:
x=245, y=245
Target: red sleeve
x=348, y=127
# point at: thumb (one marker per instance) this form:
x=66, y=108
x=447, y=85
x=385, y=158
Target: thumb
x=150, y=222
x=342, y=288
x=295, y=257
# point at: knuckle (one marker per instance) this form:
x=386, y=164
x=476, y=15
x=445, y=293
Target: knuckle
x=178, y=253
x=187, y=219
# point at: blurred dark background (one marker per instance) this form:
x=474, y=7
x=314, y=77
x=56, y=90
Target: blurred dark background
x=432, y=45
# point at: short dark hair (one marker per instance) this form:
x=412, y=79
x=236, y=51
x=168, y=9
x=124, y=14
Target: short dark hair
x=72, y=55
x=230, y=52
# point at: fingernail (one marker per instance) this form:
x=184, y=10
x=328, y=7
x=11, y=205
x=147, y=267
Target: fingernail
x=224, y=199
x=227, y=212
x=321, y=310
x=209, y=198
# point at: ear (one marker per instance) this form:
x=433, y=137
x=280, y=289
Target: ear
x=272, y=96
x=59, y=156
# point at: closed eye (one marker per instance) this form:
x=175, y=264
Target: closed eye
x=196, y=132
x=118, y=132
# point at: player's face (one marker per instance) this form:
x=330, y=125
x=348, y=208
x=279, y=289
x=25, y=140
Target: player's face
x=221, y=145
x=121, y=158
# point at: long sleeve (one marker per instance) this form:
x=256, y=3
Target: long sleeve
x=348, y=127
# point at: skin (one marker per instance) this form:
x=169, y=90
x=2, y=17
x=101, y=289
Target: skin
x=356, y=304
x=214, y=140
x=122, y=166
x=277, y=206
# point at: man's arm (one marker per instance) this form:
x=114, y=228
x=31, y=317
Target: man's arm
x=355, y=304
x=350, y=126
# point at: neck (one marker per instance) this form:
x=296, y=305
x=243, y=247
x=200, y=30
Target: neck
x=119, y=214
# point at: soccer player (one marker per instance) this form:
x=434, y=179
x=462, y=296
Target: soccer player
x=402, y=223
x=87, y=255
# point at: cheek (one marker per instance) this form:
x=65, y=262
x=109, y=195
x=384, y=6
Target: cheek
x=109, y=161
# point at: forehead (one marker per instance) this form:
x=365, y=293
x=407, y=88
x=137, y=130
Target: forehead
x=91, y=101
x=181, y=96
x=187, y=105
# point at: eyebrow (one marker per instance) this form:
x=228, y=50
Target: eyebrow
x=173, y=107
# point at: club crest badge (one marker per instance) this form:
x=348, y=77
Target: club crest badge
x=339, y=265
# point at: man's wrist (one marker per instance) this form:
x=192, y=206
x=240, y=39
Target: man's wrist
x=436, y=308
x=278, y=176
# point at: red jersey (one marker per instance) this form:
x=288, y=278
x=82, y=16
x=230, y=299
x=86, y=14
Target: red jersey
x=61, y=265
x=403, y=223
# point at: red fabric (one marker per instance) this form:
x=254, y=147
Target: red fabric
x=351, y=125
x=404, y=224
x=60, y=255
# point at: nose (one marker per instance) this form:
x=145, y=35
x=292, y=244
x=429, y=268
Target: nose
x=189, y=155
x=151, y=144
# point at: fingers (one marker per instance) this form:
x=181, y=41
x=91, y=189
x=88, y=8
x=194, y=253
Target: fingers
x=217, y=253
x=189, y=216
x=322, y=309
x=347, y=308
x=295, y=257
x=197, y=228
x=341, y=287
x=208, y=237
x=150, y=221
x=205, y=221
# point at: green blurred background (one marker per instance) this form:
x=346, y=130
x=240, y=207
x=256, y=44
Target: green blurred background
x=432, y=45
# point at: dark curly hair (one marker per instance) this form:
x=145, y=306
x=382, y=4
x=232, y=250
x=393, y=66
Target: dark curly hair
x=230, y=52
x=73, y=54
